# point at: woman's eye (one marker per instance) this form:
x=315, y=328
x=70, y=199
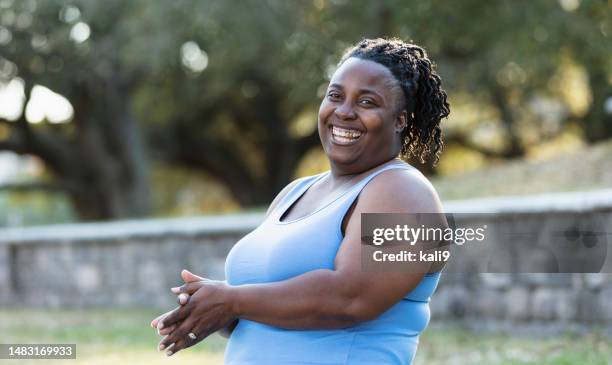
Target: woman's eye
x=367, y=102
x=333, y=95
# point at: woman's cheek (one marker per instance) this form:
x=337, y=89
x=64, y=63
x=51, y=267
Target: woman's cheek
x=324, y=113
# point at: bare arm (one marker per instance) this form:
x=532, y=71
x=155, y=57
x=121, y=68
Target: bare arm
x=346, y=295
x=321, y=298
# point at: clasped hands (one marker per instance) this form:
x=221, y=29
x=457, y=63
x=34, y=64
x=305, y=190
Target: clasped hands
x=204, y=308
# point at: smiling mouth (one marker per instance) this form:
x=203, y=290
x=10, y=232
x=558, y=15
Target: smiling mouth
x=345, y=136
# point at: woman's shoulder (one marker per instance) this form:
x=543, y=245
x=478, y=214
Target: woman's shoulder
x=281, y=195
x=402, y=189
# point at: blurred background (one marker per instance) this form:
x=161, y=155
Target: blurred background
x=121, y=110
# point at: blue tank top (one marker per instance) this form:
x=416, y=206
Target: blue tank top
x=278, y=250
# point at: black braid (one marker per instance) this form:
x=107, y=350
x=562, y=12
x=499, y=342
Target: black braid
x=425, y=101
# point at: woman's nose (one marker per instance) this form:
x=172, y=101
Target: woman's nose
x=345, y=111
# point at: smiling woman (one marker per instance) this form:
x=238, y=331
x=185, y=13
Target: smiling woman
x=353, y=119
x=295, y=290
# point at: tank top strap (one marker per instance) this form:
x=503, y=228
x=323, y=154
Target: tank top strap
x=358, y=187
x=296, y=191
x=347, y=200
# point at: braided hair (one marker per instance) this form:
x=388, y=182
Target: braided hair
x=425, y=101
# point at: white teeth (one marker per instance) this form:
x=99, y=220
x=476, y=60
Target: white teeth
x=346, y=133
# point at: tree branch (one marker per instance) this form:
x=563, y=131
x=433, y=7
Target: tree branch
x=465, y=141
x=13, y=146
x=34, y=186
x=9, y=123
x=307, y=142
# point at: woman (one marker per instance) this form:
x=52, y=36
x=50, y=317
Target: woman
x=295, y=291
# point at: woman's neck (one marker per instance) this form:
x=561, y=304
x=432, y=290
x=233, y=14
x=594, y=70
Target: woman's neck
x=341, y=174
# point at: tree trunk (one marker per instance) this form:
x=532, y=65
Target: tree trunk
x=598, y=122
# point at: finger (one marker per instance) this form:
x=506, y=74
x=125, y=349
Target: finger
x=158, y=318
x=189, y=277
x=179, y=345
x=182, y=298
x=175, y=316
x=172, y=349
x=178, y=334
x=188, y=288
x=167, y=349
x=166, y=330
x=197, y=334
x=201, y=331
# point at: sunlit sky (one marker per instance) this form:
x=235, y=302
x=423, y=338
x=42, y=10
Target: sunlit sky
x=43, y=104
x=46, y=105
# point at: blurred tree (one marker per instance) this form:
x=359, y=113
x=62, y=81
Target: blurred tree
x=508, y=54
x=232, y=87
x=98, y=158
x=588, y=34
x=502, y=56
x=249, y=115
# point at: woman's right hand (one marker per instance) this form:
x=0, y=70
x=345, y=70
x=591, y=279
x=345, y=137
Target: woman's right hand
x=182, y=299
x=163, y=331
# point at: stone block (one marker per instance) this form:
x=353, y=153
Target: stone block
x=450, y=301
x=589, y=309
x=543, y=303
x=566, y=308
x=487, y=303
x=604, y=299
x=496, y=281
x=5, y=275
x=518, y=303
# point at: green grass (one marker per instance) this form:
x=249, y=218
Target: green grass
x=453, y=344
x=102, y=336
x=124, y=337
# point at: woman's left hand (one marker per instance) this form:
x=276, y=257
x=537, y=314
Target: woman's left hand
x=209, y=309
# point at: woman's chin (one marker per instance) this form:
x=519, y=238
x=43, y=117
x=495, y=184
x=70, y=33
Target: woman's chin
x=342, y=158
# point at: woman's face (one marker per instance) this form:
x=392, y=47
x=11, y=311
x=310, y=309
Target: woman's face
x=360, y=115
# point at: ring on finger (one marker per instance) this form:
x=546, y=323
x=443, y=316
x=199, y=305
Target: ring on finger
x=192, y=336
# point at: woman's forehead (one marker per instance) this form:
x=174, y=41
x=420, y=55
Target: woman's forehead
x=360, y=73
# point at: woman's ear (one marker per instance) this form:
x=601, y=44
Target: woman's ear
x=401, y=121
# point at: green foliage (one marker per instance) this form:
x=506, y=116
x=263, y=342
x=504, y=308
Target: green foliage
x=223, y=86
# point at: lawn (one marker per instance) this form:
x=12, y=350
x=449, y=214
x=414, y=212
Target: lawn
x=101, y=336
x=454, y=345
x=124, y=337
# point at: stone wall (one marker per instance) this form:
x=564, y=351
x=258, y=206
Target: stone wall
x=134, y=263
x=120, y=264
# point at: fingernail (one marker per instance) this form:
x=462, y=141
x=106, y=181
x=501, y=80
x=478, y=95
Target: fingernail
x=160, y=325
x=161, y=347
x=168, y=353
x=176, y=289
